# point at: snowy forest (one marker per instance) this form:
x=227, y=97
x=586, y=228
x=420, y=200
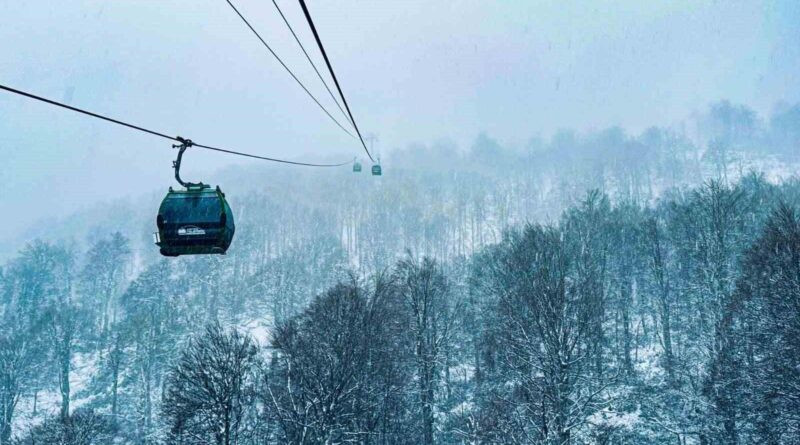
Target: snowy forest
x=595, y=287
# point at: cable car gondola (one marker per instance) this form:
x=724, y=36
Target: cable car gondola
x=376, y=170
x=356, y=167
x=193, y=221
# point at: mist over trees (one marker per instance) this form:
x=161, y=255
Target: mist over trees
x=596, y=288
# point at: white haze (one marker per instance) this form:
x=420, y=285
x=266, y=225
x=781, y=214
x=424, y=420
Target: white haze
x=413, y=71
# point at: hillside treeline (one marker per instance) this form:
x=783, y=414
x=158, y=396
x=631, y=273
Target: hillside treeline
x=675, y=323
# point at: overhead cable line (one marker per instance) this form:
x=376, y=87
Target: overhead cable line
x=88, y=113
x=330, y=68
x=287, y=68
x=307, y=164
x=313, y=65
x=183, y=141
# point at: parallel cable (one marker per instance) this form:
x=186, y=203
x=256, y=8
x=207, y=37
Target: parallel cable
x=313, y=65
x=165, y=136
x=330, y=68
x=287, y=68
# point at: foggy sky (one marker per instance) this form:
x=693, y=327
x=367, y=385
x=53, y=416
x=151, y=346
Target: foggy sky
x=413, y=71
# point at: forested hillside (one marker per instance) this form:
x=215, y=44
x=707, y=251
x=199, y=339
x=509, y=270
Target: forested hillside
x=600, y=288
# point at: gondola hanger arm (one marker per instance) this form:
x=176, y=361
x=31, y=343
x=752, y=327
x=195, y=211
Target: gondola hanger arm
x=176, y=164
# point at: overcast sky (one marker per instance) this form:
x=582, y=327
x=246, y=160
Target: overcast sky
x=413, y=71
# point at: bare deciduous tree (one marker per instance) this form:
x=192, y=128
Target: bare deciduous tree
x=211, y=388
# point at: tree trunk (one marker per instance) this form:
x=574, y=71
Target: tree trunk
x=562, y=436
x=426, y=396
x=114, y=389
x=148, y=409
x=626, y=328
x=227, y=427
x=666, y=335
x=64, y=379
x=5, y=420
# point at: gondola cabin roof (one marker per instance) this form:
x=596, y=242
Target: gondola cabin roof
x=200, y=205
